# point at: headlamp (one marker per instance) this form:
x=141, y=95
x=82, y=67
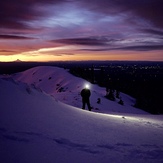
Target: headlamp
x=87, y=86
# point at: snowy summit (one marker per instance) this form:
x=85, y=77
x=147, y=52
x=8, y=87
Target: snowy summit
x=41, y=121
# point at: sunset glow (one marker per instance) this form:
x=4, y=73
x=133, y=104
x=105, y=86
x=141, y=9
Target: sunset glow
x=81, y=30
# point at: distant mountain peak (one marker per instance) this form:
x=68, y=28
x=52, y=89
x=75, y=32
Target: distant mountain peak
x=18, y=60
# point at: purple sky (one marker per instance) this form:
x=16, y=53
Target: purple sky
x=79, y=30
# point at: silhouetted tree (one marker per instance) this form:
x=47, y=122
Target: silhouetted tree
x=110, y=94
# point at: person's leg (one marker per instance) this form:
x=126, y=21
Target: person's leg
x=88, y=104
x=83, y=101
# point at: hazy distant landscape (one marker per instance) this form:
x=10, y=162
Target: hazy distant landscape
x=142, y=80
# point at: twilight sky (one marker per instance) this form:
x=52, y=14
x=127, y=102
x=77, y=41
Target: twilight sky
x=49, y=30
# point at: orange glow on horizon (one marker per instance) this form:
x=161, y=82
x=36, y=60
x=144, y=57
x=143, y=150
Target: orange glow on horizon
x=41, y=57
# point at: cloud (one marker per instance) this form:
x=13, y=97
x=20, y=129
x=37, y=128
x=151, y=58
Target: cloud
x=15, y=13
x=105, y=43
x=62, y=54
x=128, y=48
x=14, y=37
x=7, y=52
x=67, y=53
x=141, y=48
x=153, y=32
x=150, y=11
x=88, y=41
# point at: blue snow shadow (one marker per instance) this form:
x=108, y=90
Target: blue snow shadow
x=82, y=147
x=15, y=138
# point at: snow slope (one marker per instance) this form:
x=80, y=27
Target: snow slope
x=66, y=88
x=37, y=128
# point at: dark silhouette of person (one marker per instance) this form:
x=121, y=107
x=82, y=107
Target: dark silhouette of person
x=85, y=93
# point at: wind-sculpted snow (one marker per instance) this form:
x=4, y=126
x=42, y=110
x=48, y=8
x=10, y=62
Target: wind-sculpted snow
x=35, y=127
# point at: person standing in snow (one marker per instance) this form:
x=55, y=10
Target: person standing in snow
x=85, y=93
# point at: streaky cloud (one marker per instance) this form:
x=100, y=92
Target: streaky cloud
x=88, y=41
x=141, y=48
x=14, y=37
x=128, y=48
x=153, y=31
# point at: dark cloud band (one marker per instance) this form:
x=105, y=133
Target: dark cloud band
x=14, y=37
x=88, y=41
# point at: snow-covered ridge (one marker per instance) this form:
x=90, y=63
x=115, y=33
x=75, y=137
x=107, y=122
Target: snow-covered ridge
x=65, y=87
